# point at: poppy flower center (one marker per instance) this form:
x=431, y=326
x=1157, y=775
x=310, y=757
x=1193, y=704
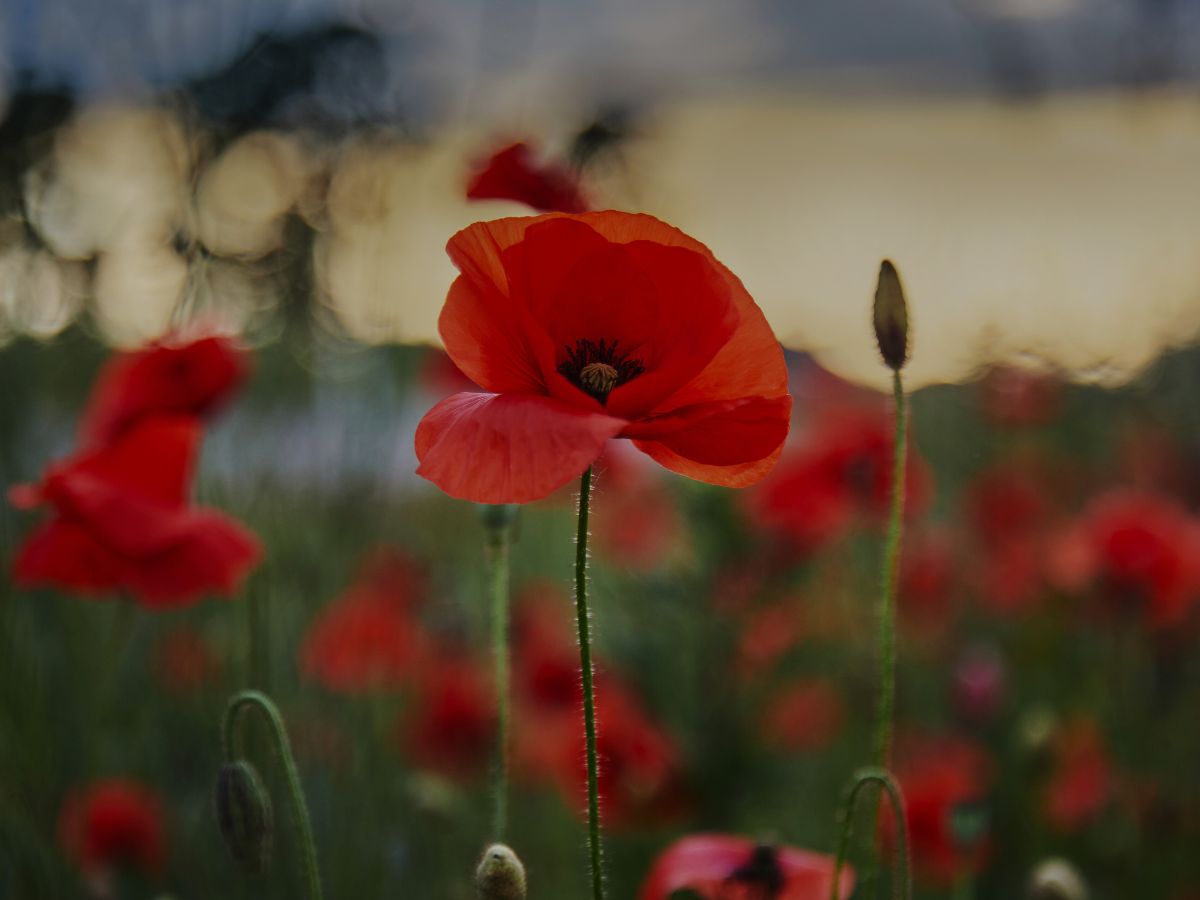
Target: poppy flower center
x=597, y=368
x=760, y=877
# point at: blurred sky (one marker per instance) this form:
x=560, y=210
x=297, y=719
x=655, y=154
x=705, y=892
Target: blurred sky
x=436, y=50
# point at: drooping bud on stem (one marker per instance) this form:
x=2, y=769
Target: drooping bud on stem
x=891, y=317
x=1056, y=879
x=244, y=815
x=501, y=875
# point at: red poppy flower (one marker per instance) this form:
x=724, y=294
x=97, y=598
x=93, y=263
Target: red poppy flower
x=726, y=867
x=1139, y=549
x=167, y=377
x=367, y=638
x=838, y=475
x=1082, y=780
x=184, y=661
x=452, y=729
x=927, y=580
x=122, y=522
x=637, y=528
x=944, y=781
x=592, y=327
x=111, y=824
x=512, y=173
x=769, y=633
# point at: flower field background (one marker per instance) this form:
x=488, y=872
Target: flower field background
x=1047, y=678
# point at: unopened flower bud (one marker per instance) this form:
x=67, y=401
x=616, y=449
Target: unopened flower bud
x=1057, y=879
x=891, y=317
x=500, y=875
x=244, y=815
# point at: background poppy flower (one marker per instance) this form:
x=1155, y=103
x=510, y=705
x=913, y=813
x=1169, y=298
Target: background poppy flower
x=1082, y=781
x=452, y=729
x=726, y=867
x=164, y=378
x=122, y=522
x=113, y=823
x=591, y=327
x=512, y=173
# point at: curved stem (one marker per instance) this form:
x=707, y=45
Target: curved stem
x=497, y=557
x=887, y=602
x=883, y=778
x=589, y=703
x=231, y=745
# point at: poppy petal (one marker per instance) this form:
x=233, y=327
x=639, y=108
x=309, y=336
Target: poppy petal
x=212, y=555
x=63, y=553
x=733, y=476
x=721, y=433
x=508, y=448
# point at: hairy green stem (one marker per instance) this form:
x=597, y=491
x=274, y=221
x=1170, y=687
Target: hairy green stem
x=902, y=887
x=497, y=561
x=885, y=711
x=232, y=748
x=589, y=702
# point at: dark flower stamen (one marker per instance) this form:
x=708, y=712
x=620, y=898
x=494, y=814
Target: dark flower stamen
x=760, y=874
x=597, y=368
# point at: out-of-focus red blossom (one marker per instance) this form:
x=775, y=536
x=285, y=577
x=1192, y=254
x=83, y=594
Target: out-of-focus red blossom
x=940, y=777
x=1004, y=503
x=513, y=173
x=440, y=376
x=1149, y=457
x=451, y=728
x=171, y=377
x=727, y=867
x=185, y=662
x=635, y=522
x=928, y=575
x=122, y=522
x=1082, y=781
x=979, y=684
x=804, y=716
x=768, y=633
x=838, y=475
x=366, y=639
x=112, y=824
x=592, y=327
x=1140, y=551
x=1011, y=397
x=735, y=587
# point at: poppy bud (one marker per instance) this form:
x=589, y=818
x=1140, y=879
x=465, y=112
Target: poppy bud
x=891, y=317
x=501, y=875
x=1057, y=879
x=244, y=815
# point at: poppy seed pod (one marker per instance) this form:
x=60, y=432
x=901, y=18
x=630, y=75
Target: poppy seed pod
x=1057, y=879
x=244, y=815
x=501, y=875
x=891, y=317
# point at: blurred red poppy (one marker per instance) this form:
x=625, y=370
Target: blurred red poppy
x=122, y=522
x=945, y=781
x=184, y=661
x=512, y=173
x=768, y=633
x=114, y=823
x=928, y=579
x=452, y=728
x=1140, y=550
x=367, y=638
x=1082, y=781
x=726, y=867
x=806, y=715
x=592, y=327
x=839, y=474
x=167, y=377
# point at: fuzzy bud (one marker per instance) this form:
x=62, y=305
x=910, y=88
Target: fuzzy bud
x=501, y=875
x=1057, y=879
x=244, y=815
x=891, y=317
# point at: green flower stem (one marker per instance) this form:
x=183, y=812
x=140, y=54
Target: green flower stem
x=589, y=702
x=232, y=747
x=884, y=713
x=881, y=777
x=498, y=541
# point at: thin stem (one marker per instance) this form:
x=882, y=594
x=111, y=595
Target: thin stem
x=589, y=703
x=888, y=785
x=497, y=559
x=232, y=747
x=887, y=601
